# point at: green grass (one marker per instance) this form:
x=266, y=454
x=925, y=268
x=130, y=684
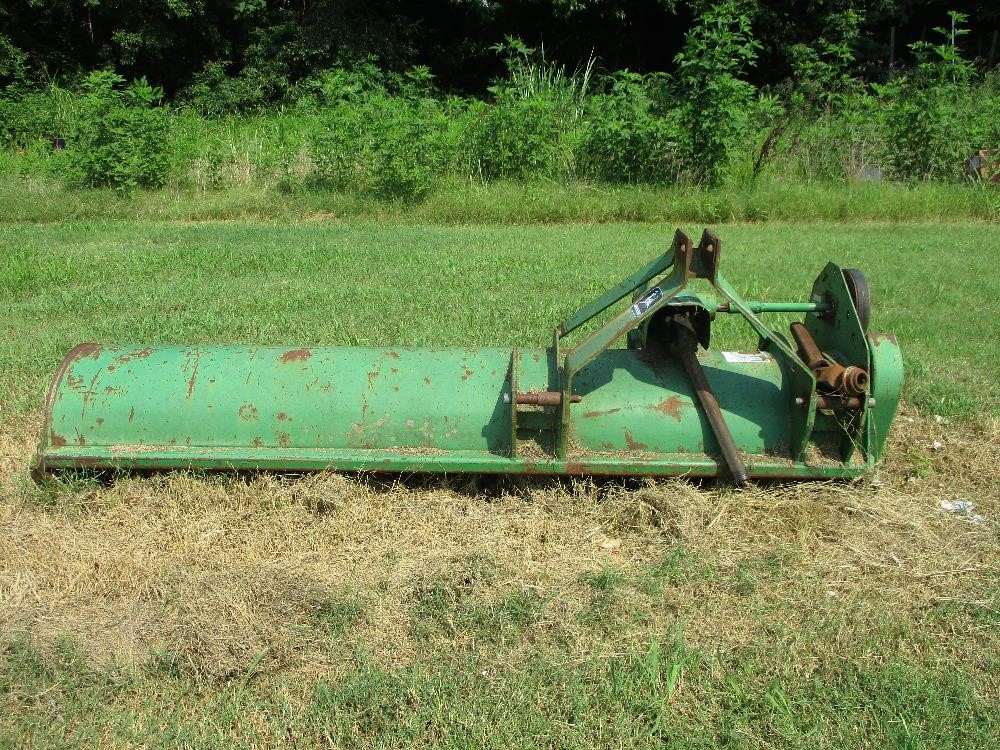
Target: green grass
x=41, y=200
x=370, y=284
x=651, y=694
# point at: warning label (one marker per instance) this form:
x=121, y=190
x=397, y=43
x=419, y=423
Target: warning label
x=757, y=358
x=646, y=301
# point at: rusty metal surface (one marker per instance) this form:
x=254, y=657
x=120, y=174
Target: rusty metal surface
x=543, y=398
x=831, y=377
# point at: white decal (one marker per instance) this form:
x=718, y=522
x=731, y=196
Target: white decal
x=758, y=358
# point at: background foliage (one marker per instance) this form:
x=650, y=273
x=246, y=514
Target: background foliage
x=341, y=102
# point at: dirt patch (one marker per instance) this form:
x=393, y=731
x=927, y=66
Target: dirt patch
x=211, y=573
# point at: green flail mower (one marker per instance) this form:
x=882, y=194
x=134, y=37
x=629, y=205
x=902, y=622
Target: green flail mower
x=815, y=405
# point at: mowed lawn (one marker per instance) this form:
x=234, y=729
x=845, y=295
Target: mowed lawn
x=336, y=611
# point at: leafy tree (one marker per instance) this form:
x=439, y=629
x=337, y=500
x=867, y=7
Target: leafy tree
x=930, y=132
x=119, y=136
x=719, y=49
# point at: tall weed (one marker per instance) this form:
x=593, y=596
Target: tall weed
x=118, y=136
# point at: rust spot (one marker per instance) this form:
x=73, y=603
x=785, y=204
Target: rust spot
x=74, y=381
x=284, y=439
x=878, y=338
x=257, y=442
x=633, y=444
x=141, y=354
x=87, y=350
x=394, y=370
x=590, y=414
x=607, y=446
x=131, y=414
x=111, y=368
x=494, y=372
x=172, y=441
x=194, y=374
x=427, y=380
x=396, y=389
x=536, y=357
x=58, y=441
x=394, y=355
x=295, y=355
x=371, y=378
x=282, y=416
x=80, y=439
x=100, y=421
x=248, y=412
x=468, y=374
x=671, y=407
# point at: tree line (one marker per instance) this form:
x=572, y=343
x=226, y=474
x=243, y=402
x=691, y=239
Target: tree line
x=268, y=46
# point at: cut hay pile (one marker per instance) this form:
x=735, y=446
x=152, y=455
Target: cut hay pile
x=300, y=573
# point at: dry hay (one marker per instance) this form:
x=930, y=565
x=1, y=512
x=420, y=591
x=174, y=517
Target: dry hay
x=212, y=573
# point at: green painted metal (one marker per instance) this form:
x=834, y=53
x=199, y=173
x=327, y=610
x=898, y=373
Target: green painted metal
x=456, y=410
x=886, y=385
x=839, y=333
x=618, y=292
x=786, y=307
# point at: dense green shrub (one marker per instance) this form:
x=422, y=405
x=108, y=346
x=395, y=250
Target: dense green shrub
x=364, y=130
x=389, y=147
x=516, y=139
x=28, y=117
x=533, y=126
x=625, y=140
x=930, y=133
x=118, y=136
x=718, y=49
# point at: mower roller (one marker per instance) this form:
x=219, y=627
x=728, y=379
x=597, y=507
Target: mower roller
x=814, y=405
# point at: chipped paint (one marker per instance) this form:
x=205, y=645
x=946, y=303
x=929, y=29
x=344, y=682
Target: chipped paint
x=878, y=337
x=295, y=355
x=194, y=373
x=592, y=414
x=141, y=354
x=633, y=444
x=671, y=407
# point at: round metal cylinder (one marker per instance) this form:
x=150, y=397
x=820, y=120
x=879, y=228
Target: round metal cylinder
x=402, y=409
